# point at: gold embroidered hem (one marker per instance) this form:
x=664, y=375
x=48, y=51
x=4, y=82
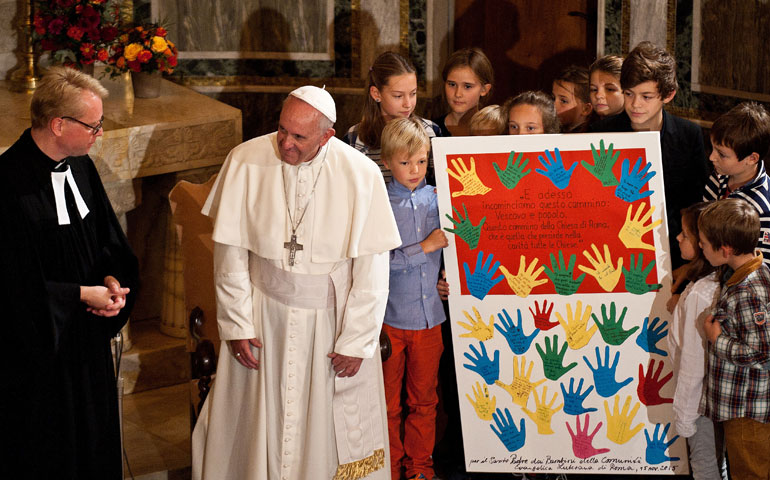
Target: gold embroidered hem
x=361, y=468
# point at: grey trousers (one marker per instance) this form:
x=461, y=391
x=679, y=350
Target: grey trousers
x=706, y=451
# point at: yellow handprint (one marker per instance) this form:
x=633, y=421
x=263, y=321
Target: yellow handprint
x=543, y=413
x=471, y=182
x=482, y=404
x=523, y=282
x=619, y=423
x=634, y=229
x=575, y=326
x=477, y=328
x=520, y=386
x=603, y=271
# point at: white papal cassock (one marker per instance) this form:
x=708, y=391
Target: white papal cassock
x=293, y=418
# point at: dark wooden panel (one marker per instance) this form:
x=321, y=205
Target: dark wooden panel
x=734, y=53
x=527, y=42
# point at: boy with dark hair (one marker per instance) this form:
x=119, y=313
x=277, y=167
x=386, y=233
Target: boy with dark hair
x=648, y=79
x=740, y=139
x=572, y=99
x=736, y=388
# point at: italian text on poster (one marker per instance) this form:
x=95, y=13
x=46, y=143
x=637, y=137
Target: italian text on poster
x=559, y=266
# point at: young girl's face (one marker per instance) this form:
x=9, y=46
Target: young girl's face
x=463, y=89
x=398, y=97
x=525, y=119
x=606, y=94
x=569, y=108
x=688, y=242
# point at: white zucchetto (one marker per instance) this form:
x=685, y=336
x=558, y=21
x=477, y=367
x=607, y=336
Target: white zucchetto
x=317, y=98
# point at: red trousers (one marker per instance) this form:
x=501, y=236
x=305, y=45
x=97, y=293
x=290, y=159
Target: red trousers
x=416, y=353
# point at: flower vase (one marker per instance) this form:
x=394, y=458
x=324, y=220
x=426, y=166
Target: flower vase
x=146, y=84
x=88, y=69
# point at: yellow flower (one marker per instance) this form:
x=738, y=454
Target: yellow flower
x=131, y=51
x=158, y=44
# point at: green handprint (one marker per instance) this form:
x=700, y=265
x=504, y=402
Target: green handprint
x=553, y=358
x=464, y=229
x=514, y=171
x=612, y=330
x=636, y=278
x=561, y=275
x=604, y=161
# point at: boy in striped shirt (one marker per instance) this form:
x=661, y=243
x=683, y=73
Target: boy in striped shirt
x=740, y=139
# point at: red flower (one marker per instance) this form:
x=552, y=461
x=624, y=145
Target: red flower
x=102, y=55
x=89, y=18
x=87, y=61
x=161, y=32
x=65, y=3
x=134, y=65
x=144, y=56
x=171, y=61
x=109, y=33
x=87, y=49
x=75, y=33
x=48, y=44
x=56, y=26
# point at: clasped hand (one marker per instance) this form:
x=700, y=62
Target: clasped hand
x=104, y=301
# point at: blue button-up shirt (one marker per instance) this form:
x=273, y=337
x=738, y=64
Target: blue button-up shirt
x=413, y=302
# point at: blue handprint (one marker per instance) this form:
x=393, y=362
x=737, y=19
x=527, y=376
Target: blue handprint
x=517, y=339
x=650, y=336
x=631, y=182
x=481, y=282
x=573, y=400
x=481, y=364
x=604, y=375
x=656, y=446
x=554, y=169
x=506, y=430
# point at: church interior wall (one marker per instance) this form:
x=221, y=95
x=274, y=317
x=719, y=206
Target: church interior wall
x=7, y=36
x=357, y=30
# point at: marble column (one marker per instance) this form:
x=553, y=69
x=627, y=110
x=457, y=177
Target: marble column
x=173, y=320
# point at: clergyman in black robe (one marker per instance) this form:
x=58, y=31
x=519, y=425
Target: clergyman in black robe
x=69, y=279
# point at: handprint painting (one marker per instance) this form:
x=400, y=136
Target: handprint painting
x=566, y=213
x=559, y=268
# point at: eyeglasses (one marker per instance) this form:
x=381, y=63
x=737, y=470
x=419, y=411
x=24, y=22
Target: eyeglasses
x=94, y=128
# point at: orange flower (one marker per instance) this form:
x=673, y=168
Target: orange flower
x=121, y=63
x=144, y=56
x=102, y=55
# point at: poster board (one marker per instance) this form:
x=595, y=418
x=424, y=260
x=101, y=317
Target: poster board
x=545, y=385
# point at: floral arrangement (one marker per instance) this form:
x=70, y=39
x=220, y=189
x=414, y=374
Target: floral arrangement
x=77, y=32
x=143, y=48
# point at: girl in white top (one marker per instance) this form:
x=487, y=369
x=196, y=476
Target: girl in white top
x=686, y=346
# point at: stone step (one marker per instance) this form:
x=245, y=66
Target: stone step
x=155, y=360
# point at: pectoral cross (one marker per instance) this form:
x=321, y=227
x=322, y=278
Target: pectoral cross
x=293, y=246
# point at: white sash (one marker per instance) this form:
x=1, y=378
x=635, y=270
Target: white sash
x=356, y=402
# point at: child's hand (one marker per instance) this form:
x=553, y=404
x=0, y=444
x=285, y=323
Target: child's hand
x=671, y=303
x=442, y=286
x=712, y=329
x=435, y=241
